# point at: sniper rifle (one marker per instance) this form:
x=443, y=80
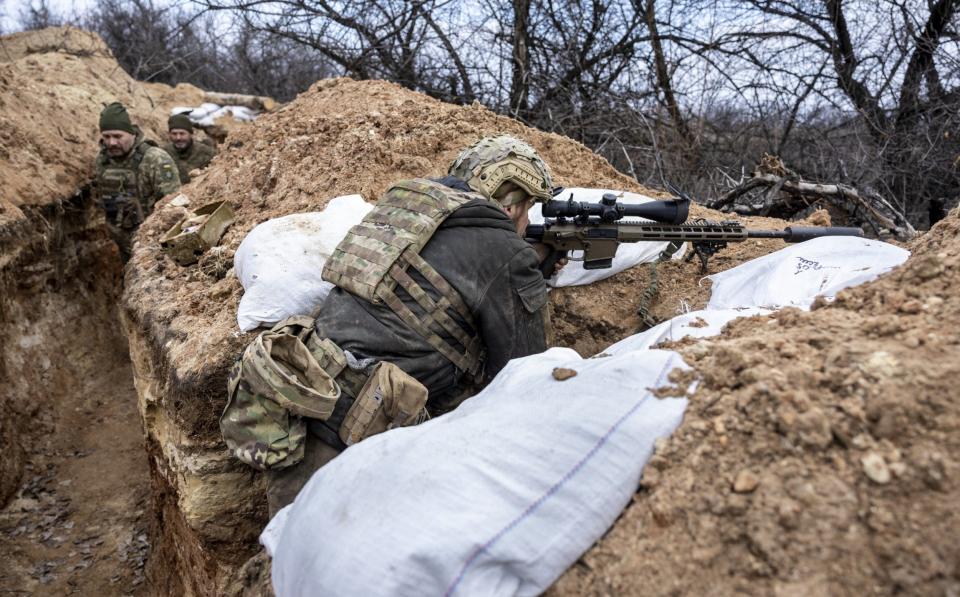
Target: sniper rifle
x=597, y=229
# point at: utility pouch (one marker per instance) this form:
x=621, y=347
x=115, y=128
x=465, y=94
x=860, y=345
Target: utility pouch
x=123, y=210
x=275, y=383
x=131, y=213
x=390, y=398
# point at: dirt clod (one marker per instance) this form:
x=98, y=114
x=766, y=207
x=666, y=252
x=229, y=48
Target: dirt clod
x=746, y=482
x=875, y=468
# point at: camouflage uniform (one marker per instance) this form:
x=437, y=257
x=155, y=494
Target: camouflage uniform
x=194, y=157
x=128, y=187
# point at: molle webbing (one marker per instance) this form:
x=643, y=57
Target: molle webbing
x=376, y=256
x=435, y=313
x=115, y=179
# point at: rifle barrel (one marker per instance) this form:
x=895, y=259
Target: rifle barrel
x=799, y=234
x=632, y=231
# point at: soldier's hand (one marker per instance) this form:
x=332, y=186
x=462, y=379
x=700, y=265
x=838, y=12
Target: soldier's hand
x=543, y=251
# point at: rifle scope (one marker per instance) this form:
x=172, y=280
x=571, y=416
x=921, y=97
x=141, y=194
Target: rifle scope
x=608, y=210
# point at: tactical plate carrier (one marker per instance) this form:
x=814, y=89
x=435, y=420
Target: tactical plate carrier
x=378, y=253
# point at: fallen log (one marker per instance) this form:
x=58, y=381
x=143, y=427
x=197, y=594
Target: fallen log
x=254, y=102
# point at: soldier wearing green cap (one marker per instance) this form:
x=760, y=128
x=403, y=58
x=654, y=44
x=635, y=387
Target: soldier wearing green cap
x=188, y=155
x=436, y=282
x=132, y=173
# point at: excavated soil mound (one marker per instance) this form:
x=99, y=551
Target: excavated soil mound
x=819, y=456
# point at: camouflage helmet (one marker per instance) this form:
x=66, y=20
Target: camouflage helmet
x=492, y=161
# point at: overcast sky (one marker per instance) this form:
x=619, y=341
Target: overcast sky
x=11, y=10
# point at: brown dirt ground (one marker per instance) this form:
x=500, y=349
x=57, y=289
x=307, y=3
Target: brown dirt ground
x=76, y=522
x=819, y=455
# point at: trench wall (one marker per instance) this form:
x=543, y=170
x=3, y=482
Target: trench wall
x=208, y=508
x=59, y=286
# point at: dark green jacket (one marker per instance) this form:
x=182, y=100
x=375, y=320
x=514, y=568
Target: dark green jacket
x=146, y=172
x=195, y=157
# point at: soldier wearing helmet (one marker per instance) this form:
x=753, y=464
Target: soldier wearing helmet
x=438, y=281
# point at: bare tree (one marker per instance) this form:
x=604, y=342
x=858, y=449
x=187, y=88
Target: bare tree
x=397, y=40
x=265, y=64
x=664, y=83
x=37, y=14
x=862, y=93
x=151, y=42
x=520, y=80
x=885, y=68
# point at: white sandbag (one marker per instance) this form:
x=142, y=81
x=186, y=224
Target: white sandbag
x=628, y=254
x=695, y=324
x=242, y=113
x=793, y=276
x=796, y=275
x=279, y=262
x=498, y=497
x=206, y=114
x=196, y=113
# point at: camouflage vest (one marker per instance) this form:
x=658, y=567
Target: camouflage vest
x=377, y=254
x=120, y=178
x=196, y=157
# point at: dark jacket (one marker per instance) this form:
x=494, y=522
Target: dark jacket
x=195, y=157
x=478, y=251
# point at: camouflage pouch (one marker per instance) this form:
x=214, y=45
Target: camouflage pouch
x=275, y=382
x=390, y=398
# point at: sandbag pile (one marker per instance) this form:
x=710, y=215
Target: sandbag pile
x=498, y=497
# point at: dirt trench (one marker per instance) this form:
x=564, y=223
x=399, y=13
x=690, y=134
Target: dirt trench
x=73, y=476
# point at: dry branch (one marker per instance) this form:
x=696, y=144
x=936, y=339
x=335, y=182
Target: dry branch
x=876, y=211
